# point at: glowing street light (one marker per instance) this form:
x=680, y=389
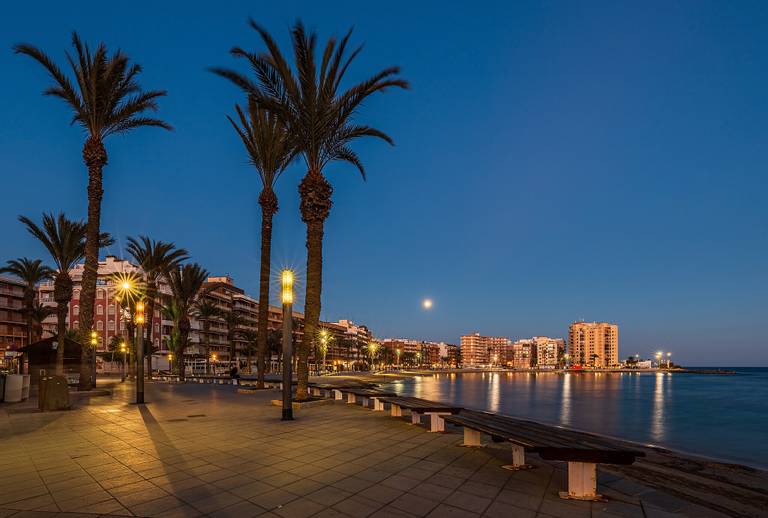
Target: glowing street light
x=286, y=281
x=124, y=350
x=139, y=317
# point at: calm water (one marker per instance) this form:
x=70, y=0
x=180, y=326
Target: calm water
x=718, y=416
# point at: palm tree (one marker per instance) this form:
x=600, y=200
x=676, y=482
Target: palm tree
x=205, y=311
x=156, y=259
x=269, y=150
x=65, y=241
x=106, y=100
x=234, y=322
x=37, y=314
x=171, y=312
x=251, y=339
x=31, y=273
x=186, y=284
x=319, y=119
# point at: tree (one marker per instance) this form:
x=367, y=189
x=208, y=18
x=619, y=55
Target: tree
x=65, y=241
x=234, y=322
x=156, y=259
x=171, y=312
x=205, y=311
x=269, y=150
x=319, y=118
x=37, y=314
x=31, y=273
x=186, y=284
x=251, y=339
x=106, y=100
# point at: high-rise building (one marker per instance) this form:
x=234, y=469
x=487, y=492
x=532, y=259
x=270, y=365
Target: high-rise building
x=477, y=350
x=523, y=352
x=13, y=327
x=594, y=344
x=549, y=351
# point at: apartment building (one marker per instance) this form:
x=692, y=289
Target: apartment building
x=593, y=344
x=13, y=327
x=549, y=351
x=477, y=350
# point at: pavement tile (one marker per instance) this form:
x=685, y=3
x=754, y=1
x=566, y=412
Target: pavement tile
x=501, y=510
x=415, y=505
x=301, y=508
x=242, y=509
x=468, y=502
x=447, y=511
x=357, y=506
x=272, y=499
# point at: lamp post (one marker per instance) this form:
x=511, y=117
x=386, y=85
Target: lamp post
x=286, y=279
x=140, y=352
x=170, y=363
x=94, y=343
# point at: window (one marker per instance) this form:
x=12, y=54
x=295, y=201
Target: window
x=76, y=310
x=111, y=325
x=75, y=324
x=122, y=325
x=99, y=309
x=157, y=328
x=100, y=325
x=111, y=309
x=99, y=294
x=76, y=294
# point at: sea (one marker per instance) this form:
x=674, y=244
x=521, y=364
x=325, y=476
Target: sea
x=724, y=417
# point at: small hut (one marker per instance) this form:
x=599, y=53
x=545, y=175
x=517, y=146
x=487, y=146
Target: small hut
x=42, y=356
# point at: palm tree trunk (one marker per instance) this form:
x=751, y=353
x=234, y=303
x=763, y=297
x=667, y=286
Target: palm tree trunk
x=183, y=337
x=61, y=330
x=207, y=346
x=95, y=158
x=266, y=249
x=311, y=304
x=151, y=293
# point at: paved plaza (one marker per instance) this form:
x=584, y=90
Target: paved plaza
x=203, y=450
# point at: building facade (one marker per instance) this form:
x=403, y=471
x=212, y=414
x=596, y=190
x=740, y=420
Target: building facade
x=549, y=351
x=593, y=344
x=13, y=327
x=477, y=350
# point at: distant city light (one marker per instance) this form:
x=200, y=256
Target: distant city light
x=427, y=304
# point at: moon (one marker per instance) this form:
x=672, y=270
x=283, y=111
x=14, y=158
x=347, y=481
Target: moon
x=427, y=303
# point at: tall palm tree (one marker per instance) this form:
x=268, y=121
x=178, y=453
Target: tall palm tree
x=156, y=259
x=171, y=312
x=105, y=99
x=205, y=310
x=186, y=284
x=37, y=314
x=65, y=241
x=31, y=273
x=269, y=150
x=234, y=322
x=251, y=339
x=319, y=117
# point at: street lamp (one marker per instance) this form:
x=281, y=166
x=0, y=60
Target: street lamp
x=170, y=362
x=668, y=359
x=286, y=280
x=397, y=351
x=140, y=352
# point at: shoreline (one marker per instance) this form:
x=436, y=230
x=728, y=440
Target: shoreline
x=465, y=370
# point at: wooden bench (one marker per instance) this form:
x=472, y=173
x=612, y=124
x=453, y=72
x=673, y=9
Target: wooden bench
x=366, y=394
x=582, y=451
x=419, y=407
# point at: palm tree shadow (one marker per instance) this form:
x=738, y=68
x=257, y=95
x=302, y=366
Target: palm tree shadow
x=165, y=449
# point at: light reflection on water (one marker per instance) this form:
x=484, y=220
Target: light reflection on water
x=719, y=416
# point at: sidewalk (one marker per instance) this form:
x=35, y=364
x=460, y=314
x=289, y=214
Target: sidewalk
x=204, y=450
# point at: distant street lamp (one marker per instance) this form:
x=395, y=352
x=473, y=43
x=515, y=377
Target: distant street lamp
x=286, y=280
x=397, y=352
x=140, y=352
x=170, y=362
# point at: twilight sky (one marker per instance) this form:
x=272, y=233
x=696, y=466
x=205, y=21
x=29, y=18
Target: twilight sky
x=554, y=161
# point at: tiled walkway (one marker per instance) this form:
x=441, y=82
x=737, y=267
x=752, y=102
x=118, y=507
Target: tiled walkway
x=205, y=450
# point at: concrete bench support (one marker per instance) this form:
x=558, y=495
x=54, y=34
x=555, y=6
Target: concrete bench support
x=471, y=437
x=337, y=395
x=518, y=459
x=364, y=402
x=395, y=410
x=582, y=482
x=436, y=422
x=415, y=418
x=378, y=406
x=351, y=399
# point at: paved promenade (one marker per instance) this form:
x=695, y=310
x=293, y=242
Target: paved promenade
x=202, y=450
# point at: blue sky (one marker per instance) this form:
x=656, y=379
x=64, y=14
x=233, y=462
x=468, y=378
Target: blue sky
x=553, y=161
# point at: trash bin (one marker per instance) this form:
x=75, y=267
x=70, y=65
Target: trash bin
x=14, y=387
